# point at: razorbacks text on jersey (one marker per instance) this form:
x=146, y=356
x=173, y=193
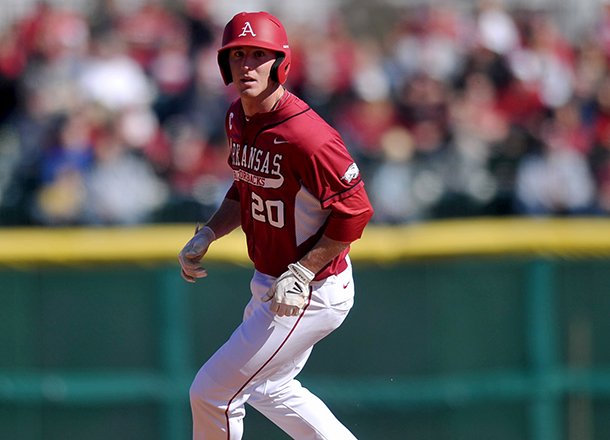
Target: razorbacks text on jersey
x=294, y=178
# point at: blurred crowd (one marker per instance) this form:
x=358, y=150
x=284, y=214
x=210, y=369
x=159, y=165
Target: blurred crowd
x=116, y=117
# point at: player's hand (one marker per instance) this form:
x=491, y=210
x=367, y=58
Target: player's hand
x=190, y=256
x=289, y=293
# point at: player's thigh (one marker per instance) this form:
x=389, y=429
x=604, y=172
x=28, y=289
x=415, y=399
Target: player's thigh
x=261, y=345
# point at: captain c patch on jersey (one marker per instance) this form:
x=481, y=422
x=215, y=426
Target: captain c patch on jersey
x=351, y=173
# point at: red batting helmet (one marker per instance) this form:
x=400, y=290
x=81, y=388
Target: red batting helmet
x=259, y=29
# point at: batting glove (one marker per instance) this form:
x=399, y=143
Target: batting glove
x=192, y=253
x=290, y=291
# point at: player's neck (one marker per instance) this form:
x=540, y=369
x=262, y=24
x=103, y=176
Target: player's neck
x=262, y=103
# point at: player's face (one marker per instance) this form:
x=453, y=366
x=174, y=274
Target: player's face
x=250, y=68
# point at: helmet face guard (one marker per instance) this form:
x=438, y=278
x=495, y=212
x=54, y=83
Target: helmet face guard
x=258, y=29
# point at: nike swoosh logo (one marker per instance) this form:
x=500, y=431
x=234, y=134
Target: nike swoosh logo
x=277, y=141
x=345, y=285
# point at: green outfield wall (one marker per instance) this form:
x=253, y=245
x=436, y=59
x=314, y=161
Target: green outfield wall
x=482, y=329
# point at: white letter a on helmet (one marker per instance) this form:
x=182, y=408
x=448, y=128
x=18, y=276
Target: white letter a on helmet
x=247, y=29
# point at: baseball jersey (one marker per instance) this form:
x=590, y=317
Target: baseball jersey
x=295, y=180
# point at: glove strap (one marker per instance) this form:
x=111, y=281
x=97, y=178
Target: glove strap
x=303, y=274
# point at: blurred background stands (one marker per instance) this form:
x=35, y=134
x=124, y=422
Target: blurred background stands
x=112, y=112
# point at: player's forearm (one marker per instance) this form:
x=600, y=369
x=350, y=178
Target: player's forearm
x=226, y=218
x=323, y=253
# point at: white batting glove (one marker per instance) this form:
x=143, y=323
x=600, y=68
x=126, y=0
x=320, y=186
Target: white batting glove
x=290, y=291
x=192, y=253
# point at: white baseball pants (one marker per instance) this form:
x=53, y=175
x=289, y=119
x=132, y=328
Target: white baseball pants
x=259, y=362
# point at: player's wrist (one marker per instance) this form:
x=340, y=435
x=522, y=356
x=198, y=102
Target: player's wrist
x=303, y=274
x=207, y=232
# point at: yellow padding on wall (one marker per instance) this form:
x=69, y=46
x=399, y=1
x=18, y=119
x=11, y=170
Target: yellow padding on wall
x=84, y=245
x=561, y=237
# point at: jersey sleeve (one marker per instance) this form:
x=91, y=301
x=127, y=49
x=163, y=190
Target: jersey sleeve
x=349, y=216
x=334, y=178
x=333, y=174
x=232, y=193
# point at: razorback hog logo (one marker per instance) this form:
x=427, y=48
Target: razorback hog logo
x=351, y=173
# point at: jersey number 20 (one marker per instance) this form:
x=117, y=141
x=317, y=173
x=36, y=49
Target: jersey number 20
x=268, y=211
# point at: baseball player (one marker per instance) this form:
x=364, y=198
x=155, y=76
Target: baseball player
x=299, y=198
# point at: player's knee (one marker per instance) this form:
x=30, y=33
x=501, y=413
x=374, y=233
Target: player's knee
x=200, y=392
x=206, y=395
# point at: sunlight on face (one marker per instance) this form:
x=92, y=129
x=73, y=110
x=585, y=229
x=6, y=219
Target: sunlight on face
x=250, y=68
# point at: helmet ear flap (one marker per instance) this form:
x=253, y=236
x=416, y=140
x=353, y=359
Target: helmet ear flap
x=225, y=69
x=274, y=74
x=279, y=69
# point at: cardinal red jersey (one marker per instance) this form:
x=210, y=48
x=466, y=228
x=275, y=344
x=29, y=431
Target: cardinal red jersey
x=291, y=170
